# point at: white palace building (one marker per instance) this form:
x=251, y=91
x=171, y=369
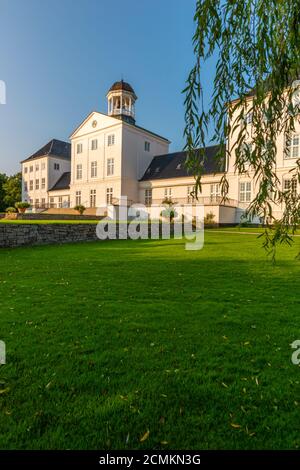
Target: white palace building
x=110, y=156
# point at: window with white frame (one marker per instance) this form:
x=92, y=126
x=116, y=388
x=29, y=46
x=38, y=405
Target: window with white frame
x=56, y=166
x=248, y=118
x=43, y=183
x=31, y=201
x=37, y=184
x=93, y=198
x=60, y=202
x=168, y=193
x=31, y=185
x=52, y=205
x=25, y=186
x=214, y=191
x=109, y=195
x=147, y=146
x=79, y=171
x=79, y=148
x=110, y=166
x=43, y=203
x=293, y=146
x=25, y=169
x=148, y=197
x=37, y=167
x=78, y=198
x=30, y=169
x=94, y=144
x=111, y=140
x=245, y=191
x=290, y=184
x=43, y=166
x=37, y=203
x=93, y=169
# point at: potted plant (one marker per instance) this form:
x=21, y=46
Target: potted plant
x=10, y=210
x=169, y=212
x=22, y=206
x=79, y=208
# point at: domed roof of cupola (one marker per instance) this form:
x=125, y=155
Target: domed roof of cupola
x=121, y=86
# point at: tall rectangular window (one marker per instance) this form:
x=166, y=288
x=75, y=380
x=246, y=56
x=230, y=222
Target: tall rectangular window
x=37, y=184
x=245, y=191
x=37, y=203
x=79, y=172
x=168, y=193
x=56, y=166
x=31, y=185
x=37, y=167
x=78, y=198
x=93, y=169
x=52, y=205
x=79, y=148
x=93, y=198
x=290, y=185
x=43, y=203
x=148, y=197
x=214, y=192
x=25, y=169
x=110, y=166
x=94, y=145
x=109, y=195
x=43, y=183
x=43, y=166
x=30, y=169
x=147, y=146
x=25, y=186
x=111, y=140
x=293, y=146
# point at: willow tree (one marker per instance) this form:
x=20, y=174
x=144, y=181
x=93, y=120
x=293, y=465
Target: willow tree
x=257, y=48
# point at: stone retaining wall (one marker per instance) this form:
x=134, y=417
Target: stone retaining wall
x=15, y=235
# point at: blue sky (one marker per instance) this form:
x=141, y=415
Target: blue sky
x=58, y=58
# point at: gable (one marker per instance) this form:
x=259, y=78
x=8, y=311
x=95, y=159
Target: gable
x=93, y=122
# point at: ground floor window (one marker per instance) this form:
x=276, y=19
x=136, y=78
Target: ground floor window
x=43, y=203
x=148, y=197
x=245, y=191
x=37, y=203
x=60, y=202
x=78, y=198
x=290, y=185
x=168, y=193
x=190, y=194
x=109, y=195
x=52, y=205
x=214, y=191
x=93, y=198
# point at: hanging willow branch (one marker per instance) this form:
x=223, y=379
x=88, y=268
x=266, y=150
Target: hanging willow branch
x=257, y=45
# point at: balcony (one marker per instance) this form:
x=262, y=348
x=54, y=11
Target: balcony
x=205, y=201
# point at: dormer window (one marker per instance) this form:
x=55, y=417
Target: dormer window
x=178, y=166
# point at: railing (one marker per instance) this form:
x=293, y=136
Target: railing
x=205, y=201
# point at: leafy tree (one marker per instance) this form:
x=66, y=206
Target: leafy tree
x=257, y=47
x=3, y=179
x=13, y=189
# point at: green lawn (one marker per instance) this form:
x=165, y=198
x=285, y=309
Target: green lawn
x=106, y=341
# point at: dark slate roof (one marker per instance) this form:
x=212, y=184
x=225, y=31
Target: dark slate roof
x=63, y=182
x=172, y=165
x=121, y=85
x=56, y=148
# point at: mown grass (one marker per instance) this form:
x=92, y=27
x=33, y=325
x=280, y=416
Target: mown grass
x=107, y=341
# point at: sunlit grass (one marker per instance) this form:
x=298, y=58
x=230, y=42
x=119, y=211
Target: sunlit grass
x=108, y=340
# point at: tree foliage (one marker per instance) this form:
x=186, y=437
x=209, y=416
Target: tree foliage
x=13, y=189
x=257, y=46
